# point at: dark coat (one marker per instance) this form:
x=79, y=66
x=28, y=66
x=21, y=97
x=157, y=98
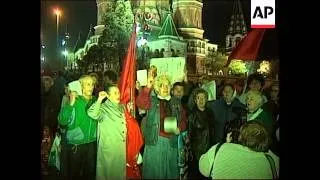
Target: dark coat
x=223, y=113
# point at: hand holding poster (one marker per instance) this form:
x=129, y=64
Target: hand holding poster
x=75, y=86
x=142, y=76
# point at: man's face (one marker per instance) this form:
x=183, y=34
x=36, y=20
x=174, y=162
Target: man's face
x=255, y=85
x=201, y=100
x=227, y=93
x=178, y=91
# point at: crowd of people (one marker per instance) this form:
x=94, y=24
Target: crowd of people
x=229, y=133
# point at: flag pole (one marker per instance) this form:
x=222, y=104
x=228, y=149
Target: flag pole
x=133, y=113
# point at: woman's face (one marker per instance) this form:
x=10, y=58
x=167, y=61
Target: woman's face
x=201, y=100
x=114, y=94
x=164, y=90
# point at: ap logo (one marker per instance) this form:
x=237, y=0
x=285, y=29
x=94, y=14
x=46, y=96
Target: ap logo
x=263, y=14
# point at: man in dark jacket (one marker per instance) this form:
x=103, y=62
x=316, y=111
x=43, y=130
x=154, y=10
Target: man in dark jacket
x=225, y=109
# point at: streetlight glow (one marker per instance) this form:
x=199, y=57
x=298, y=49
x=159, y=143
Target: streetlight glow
x=57, y=12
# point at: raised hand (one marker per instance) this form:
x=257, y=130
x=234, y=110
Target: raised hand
x=73, y=95
x=102, y=95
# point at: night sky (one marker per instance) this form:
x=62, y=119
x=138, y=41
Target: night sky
x=78, y=15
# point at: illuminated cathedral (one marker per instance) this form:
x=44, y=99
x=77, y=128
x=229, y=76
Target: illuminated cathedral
x=172, y=28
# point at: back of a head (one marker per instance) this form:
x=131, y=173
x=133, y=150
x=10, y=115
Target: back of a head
x=111, y=75
x=182, y=84
x=94, y=75
x=258, y=77
x=254, y=136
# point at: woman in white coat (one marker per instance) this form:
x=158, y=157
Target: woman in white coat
x=114, y=161
x=111, y=137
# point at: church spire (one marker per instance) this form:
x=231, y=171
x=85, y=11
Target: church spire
x=237, y=22
x=168, y=28
x=237, y=27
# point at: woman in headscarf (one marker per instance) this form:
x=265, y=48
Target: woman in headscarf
x=119, y=137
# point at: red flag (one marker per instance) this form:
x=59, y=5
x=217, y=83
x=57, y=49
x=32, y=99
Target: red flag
x=127, y=89
x=128, y=73
x=248, y=47
x=134, y=144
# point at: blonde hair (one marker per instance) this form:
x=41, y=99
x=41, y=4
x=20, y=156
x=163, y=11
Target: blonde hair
x=94, y=76
x=256, y=96
x=159, y=80
x=84, y=78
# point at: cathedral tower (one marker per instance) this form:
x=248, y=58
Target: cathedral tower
x=237, y=28
x=188, y=19
x=102, y=8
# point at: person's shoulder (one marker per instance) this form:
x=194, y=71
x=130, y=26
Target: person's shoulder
x=273, y=155
x=266, y=113
x=217, y=102
x=237, y=102
x=234, y=147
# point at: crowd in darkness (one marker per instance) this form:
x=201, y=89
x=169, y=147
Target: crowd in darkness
x=225, y=130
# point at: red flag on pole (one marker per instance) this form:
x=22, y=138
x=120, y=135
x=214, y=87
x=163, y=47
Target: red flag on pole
x=127, y=89
x=248, y=47
x=128, y=73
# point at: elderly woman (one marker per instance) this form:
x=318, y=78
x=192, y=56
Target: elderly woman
x=114, y=125
x=250, y=159
x=160, y=158
x=255, y=112
x=200, y=130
